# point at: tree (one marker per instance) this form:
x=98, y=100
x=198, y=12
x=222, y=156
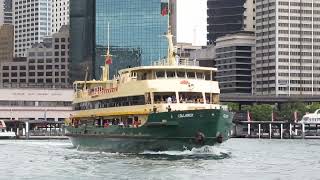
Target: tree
x=287, y=110
x=261, y=112
x=233, y=106
x=313, y=107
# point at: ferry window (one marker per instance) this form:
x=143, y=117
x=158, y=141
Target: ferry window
x=141, y=75
x=190, y=97
x=165, y=97
x=213, y=76
x=208, y=99
x=199, y=75
x=207, y=76
x=181, y=74
x=160, y=74
x=191, y=74
x=171, y=74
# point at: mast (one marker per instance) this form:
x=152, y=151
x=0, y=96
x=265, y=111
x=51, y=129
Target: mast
x=105, y=74
x=171, y=54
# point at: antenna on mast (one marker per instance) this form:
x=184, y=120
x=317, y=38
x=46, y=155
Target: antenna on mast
x=108, y=60
x=171, y=54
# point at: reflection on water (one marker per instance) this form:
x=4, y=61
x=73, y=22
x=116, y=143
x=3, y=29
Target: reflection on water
x=235, y=159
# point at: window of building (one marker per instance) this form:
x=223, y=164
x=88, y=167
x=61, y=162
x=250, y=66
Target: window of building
x=5, y=68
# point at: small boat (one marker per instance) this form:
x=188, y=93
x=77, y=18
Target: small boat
x=311, y=118
x=4, y=134
x=166, y=106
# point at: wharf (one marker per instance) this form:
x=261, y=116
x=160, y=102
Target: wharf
x=276, y=130
x=36, y=129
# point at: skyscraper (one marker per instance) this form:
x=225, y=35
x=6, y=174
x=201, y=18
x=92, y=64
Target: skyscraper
x=287, y=47
x=229, y=16
x=136, y=34
x=5, y=12
x=60, y=14
x=32, y=21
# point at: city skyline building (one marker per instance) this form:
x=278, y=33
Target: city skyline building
x=229, y=16
x=6, y=43
x=60, y=14
x=287, y=44
x=136, y=34
x=32, y=22
x=46, y=64
x=234, y=56
x=6, y=12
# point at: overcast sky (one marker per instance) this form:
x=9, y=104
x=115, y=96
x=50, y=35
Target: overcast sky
x=192, y=21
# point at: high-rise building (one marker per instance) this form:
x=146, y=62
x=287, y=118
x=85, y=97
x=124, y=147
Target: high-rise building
x=5, y=12
x=32, y=21
x=136, y=34
x=229, y=16
x=46, y=64
x=287, y=47
x=6, y=43
x=60, y=14
x=234, y=53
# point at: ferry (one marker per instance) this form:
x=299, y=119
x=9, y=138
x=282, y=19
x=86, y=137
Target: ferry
x=311, y=118
x=164, y=106
x=4, y=134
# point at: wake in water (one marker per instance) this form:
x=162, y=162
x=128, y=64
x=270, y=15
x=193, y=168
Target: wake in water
x=205, y=152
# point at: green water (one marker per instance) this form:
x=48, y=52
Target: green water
x=236, y=159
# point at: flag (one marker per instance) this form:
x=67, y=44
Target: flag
x=164, y=8
x=295, y=116
x=248, y=116
x=108, y=60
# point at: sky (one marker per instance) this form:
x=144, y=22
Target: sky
x=192, y=22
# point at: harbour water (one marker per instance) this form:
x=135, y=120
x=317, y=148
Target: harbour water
x=236, y=159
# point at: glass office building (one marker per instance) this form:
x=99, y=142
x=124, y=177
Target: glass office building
x=82, y=38
x=136, y=34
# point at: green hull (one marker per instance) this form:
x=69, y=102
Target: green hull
x=178, y=130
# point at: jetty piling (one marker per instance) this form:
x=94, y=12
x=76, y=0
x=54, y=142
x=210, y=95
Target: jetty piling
x=277, y=130
x=259, y=132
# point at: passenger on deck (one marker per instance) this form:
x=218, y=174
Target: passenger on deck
x=169, y=108
x=136, y=124
x=169, y=100
x=106, y=124
x=154, y=109
x=121, y=124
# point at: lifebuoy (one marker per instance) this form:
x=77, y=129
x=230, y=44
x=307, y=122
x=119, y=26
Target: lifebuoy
x=200, y=138
x=220, y=138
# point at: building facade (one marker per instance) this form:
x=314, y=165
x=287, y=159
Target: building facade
x=5, y=12
x=229, y=16
x=60, y=14
x=46, y=64
x=6, y=43
x=35, y=104
x=136, y=34
x=32, y=22
x=287, y=47
x=82, y=36
x=234, y=55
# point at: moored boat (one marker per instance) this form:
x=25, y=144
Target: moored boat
x=4, y=134
x=167, y=106
x=311, y=118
